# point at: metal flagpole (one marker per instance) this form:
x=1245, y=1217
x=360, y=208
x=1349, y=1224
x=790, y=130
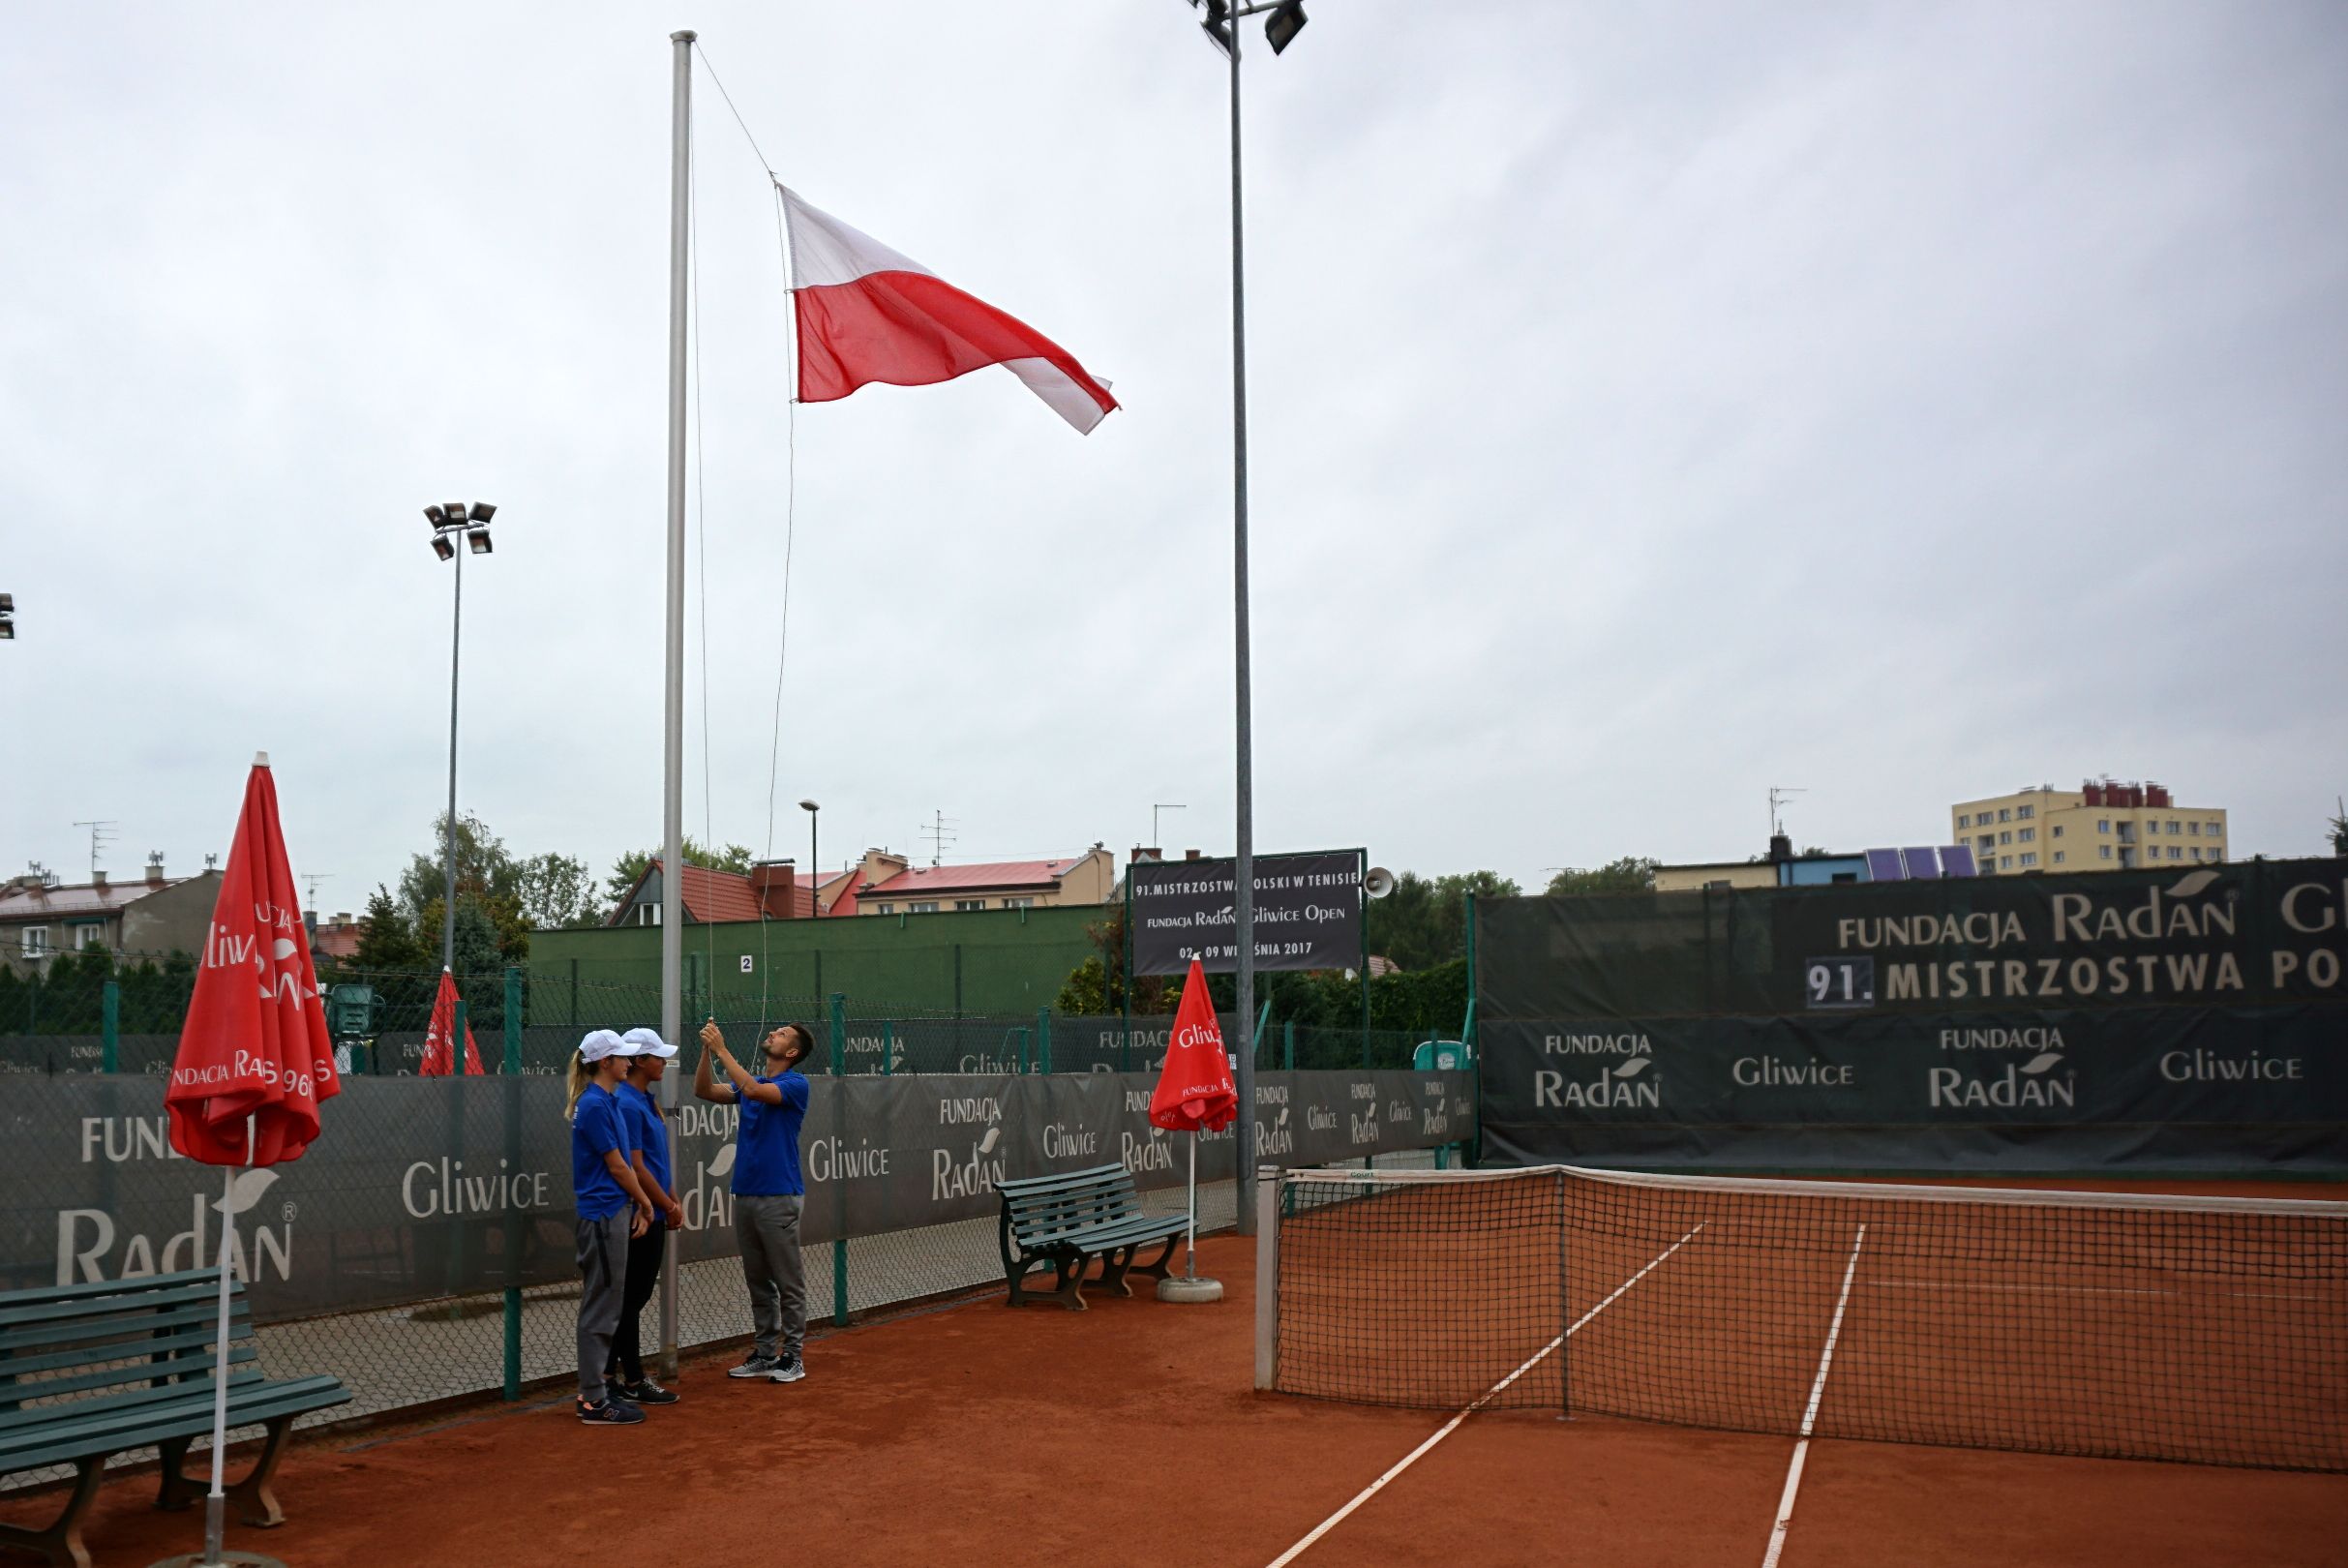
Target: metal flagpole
x=673, y=731
x=1244, y=905
x=1190, y=1247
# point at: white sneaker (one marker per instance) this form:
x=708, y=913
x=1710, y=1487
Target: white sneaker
x=788, y=1370
x=756, y=1365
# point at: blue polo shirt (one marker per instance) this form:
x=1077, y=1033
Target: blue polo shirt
x=647, y=1129
x=766, y=1164
x=597, y=1129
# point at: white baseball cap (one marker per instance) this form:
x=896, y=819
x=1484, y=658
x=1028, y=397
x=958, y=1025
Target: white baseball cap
x=599, y=1044
x=645, y=1043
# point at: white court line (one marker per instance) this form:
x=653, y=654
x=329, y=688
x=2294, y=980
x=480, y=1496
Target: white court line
x=1453, y=1424
x=1817, y=1391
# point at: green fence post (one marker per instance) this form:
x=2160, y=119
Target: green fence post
x=888, y=1045
x=1288, y=1045
x=513, y=1153
x=109, y=1051
x=839, y=1247
x=1043, y=1039
x=1256, y=1040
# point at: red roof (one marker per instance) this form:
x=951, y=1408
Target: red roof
x=714, y=896
x=920, y=881
x=79, y=898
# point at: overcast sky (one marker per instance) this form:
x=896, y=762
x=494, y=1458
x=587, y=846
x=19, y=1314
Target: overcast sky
x=1651, y=405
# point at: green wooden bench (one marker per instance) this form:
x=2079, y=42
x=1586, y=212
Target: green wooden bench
x=91, y=1370
x=1060, y=1222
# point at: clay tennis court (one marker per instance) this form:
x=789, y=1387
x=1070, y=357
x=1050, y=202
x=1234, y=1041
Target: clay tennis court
x=968, y=1433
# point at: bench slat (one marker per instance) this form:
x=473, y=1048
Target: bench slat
x=248, y=1405
x=54, y=1300
x=14, y=1369
x=66, y=1331
x=196, y=1361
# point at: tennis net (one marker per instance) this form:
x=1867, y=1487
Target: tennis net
x=2208, y=1330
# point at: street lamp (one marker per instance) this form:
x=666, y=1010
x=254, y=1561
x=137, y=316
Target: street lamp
x=815, y=871
x=448, y=520
x=1221, y=24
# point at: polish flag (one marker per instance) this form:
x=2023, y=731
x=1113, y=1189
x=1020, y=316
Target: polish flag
x=866, y=314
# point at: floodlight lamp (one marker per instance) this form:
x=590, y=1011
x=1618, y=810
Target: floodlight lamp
x=1286, y=22
x=455, y=510
x=483, y=511
x=441, y=548
x=7, y=604
x=434, y=516
x=478, y=539
x=807, y=805
x=1217, y=25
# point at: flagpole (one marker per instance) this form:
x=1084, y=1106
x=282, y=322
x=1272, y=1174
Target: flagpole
x=1244, y=869
x=673, y=731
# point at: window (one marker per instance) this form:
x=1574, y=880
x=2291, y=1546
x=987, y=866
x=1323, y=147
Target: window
x=2028, y=834
x=89, y=936
x=2197, y=852
x=2030, y=859
x=2172, y=827
x=2103, y=852
x=648, y=913
x=1028, y=902
x=2218, y=854
x=2005, y=814
x=2103, y=824
x=884, y=909
x=925, y=906
x=2214, y=830
x=967, y=904
x=2058, y=856
x=2176, y=854
x=1989, y=841
x=1965, y=822
x=2194, y=829
x=1723, y=886
x=36, y=941
x=2024, y=813
x=2056, y=831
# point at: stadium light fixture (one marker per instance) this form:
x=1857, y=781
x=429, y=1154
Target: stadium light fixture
x=8, y=617
x=478, y=539
x=454, y=511
x=815, y=868
x=441, y=545
x=449, y=519
x=1288, y=19
x=434, y=516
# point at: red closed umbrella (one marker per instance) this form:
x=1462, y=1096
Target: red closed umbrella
x=439, y=1062
x=1195, y=1088
x=255, y=1058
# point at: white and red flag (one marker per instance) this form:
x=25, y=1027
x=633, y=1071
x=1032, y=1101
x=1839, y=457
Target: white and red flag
x=439, y=1060
x=866, y=314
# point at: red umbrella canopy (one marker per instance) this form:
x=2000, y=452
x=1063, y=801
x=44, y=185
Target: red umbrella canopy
x=255, y=1044
x=1195, y=1088
x=437, y=1062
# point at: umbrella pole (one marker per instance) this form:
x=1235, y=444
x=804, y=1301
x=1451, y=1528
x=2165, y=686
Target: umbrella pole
x=1189, y=1250
x=216, y=1501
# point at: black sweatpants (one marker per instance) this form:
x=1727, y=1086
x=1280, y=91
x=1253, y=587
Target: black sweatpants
x=644, y=1278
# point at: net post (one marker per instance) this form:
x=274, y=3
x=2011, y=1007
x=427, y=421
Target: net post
x=1267, y=1277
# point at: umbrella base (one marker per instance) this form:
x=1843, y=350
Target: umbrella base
x=1176, y=1287
x=237, y=1559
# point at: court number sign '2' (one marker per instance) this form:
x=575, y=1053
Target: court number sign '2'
x=1840, y=982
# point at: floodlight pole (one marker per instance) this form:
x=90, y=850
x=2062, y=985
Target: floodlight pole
x=673, y=720
x=448, y=901
x=1244, y=870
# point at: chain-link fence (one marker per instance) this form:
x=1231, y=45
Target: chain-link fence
x=99, y=1012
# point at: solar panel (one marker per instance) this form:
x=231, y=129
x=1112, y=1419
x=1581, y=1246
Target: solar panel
x=1923, y=865
x=1957, y=861
x=1884, y=866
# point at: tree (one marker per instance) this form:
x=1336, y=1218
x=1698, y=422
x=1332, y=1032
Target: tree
x=2339, y=832
x=557, y=893
x=1401, y=926
x=1628, y=875
x=629, y=867
x=485, y=869
x=387, y=942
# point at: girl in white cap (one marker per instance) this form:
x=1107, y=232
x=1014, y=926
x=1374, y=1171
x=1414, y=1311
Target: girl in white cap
x=648, y=1132
x=603, y=1182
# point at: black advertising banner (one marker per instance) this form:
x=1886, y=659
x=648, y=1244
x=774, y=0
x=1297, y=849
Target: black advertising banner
x=2255, y=933
x=1307, y=913
x=422, y=1187
x=2177, y=1088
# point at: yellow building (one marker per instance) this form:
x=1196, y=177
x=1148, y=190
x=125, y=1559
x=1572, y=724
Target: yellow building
x=1718, y=875
x=2098, y=827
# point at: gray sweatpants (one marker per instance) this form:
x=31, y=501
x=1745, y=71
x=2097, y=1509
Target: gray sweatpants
x=768, y=1231
x=603, y=1269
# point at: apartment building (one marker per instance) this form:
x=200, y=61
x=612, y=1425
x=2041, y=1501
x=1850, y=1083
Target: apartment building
x=2101, y=825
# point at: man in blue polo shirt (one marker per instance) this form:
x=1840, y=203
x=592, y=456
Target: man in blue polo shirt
x=768, y=1191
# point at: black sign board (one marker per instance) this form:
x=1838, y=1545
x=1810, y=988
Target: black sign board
x=1307, y=913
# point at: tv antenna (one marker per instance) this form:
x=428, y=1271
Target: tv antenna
x=101, y=833
x=310, y=887
x=1779, y=794
x=1156, y=807
x=940, y=833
